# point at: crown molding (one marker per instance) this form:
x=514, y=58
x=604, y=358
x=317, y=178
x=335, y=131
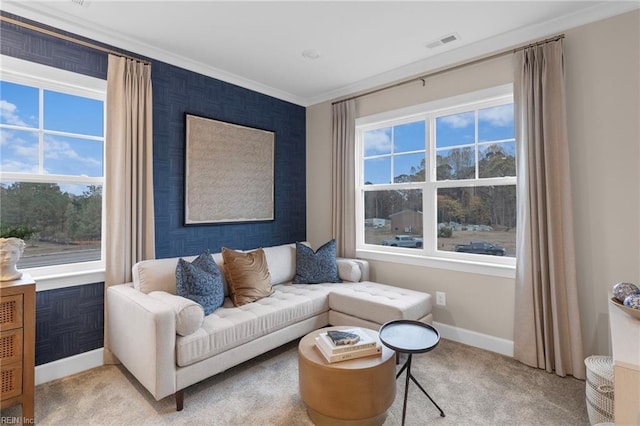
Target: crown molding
x=598, y=11
x=505, y=41
x=48, y=16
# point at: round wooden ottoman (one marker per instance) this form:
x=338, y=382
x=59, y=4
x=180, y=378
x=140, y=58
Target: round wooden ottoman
x=353, y=392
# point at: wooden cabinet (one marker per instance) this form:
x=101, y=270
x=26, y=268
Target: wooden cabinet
x=17, y=344
x=625, y=339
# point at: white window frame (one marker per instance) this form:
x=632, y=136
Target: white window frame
x=428, y=255
x=28, y=73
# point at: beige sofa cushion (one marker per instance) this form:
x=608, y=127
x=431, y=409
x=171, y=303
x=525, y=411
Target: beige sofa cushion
x=160, y=274
x=282, y=262
x=229, y=326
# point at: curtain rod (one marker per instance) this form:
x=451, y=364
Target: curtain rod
x=71, y=39
x=451, y=68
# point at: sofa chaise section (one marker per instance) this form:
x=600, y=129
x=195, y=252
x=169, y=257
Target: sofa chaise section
x=369, y=304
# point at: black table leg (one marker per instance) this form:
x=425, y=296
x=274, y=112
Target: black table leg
x=410, y=376
x=404, y=367
x=406, y=387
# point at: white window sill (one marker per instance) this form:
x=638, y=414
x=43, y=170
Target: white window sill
x=69, y=275
x=468, y=266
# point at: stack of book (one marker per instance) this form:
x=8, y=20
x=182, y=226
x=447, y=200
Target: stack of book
x=347, y=344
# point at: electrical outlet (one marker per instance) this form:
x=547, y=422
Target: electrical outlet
x=441, y=298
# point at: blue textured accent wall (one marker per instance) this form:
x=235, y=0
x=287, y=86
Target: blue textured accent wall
x=69, y=321
x=176, y=91
x=43, y=49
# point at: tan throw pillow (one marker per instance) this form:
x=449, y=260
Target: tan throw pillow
x=247, y=275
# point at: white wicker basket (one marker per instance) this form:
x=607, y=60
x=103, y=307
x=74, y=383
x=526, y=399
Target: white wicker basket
x=599, y=389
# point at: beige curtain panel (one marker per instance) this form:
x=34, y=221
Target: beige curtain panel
x=547, y=332
x=343, y=172
x=128, y=173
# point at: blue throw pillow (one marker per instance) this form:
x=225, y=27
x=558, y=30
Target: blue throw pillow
x=200, y=281
x=313, y=267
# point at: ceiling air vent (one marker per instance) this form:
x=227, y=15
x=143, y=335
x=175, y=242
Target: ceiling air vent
x=84, y=3
x=443, y=40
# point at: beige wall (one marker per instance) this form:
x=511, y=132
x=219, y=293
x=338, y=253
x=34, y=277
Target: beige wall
x=602, y=64
x=603, y=95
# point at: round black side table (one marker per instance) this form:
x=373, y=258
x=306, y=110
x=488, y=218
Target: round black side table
x=410, y=337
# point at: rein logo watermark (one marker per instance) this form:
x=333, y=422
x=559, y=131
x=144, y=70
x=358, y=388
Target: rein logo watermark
x=13, y=420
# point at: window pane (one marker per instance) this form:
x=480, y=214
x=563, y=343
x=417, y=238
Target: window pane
x=377, y=170
x=73, y=114
x=409, y=137
x=72, y=156
x=18, y=104
x=497, y=160
x=18, y=151
x=66, y=219
x=468, y=217
x=457, y=129
x=393, y=218
x=377, y=142
x=408, y=168
x=455, y=164
x=496, y=123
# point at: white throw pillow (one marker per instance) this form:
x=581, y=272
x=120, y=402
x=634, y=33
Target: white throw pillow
x=189, y=314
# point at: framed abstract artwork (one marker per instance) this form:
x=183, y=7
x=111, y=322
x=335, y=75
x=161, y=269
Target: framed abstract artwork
x=229, y=172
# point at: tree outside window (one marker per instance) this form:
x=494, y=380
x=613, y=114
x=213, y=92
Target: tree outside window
x=51, y=169
x=446, y=178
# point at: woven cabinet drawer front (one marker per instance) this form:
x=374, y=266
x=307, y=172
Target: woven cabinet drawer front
x=11, y=346
x=11, y=312
x=17, y=345
x=11, y=380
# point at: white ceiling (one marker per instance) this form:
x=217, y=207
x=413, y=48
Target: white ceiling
x=362, y=44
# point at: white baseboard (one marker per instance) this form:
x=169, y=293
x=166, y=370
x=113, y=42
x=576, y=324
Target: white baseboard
x=92, y=359
x=473, y=338
x=68, y=366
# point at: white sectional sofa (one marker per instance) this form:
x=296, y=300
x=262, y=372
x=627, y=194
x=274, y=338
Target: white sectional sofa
x=146, y=320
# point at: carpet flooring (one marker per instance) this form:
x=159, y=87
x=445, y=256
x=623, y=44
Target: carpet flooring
x=473, y=387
